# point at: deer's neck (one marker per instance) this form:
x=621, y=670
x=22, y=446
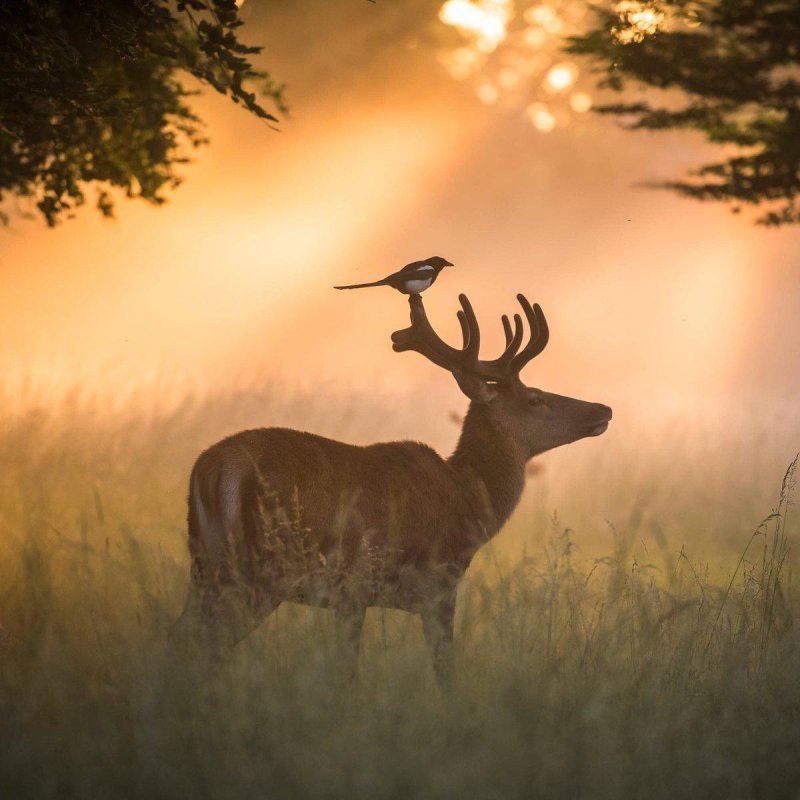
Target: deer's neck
x=492, y=465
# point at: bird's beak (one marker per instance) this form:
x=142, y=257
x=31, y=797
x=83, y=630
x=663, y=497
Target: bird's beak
x=448, y=264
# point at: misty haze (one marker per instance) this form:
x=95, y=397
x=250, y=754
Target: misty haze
x=618, y=613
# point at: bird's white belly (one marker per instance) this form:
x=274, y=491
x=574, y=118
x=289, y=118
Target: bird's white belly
x=417, y=286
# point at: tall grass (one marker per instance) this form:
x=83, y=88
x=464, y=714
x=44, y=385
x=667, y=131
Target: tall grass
x=662, y=669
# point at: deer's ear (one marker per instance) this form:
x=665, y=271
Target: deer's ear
x=474, y=387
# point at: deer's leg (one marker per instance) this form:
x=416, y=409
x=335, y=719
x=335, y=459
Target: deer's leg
x=218, y=617
x=188, y=628
x=349, y=623
x=437, y=625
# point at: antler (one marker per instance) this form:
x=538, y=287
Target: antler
x=423, y=339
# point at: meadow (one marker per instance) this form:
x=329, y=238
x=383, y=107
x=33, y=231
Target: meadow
x=632, y=632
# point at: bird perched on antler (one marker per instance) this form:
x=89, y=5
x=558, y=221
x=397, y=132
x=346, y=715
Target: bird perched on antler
x=413, y=278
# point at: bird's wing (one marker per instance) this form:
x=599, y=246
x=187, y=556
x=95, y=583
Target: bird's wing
x=416, y=268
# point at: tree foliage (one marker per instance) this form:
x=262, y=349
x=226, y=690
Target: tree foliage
x=729, y=69
x=91, y=93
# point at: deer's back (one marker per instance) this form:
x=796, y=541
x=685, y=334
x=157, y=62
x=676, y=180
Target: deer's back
x=401, y=494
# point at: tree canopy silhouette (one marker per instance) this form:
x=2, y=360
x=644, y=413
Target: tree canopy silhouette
x=92, y=93
x=736, y=67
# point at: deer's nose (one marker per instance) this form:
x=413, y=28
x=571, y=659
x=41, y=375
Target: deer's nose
x=602, y=412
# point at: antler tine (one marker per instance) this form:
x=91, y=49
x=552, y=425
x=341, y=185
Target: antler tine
x=472, y=332
x=513, y=340
x=540, y=334
x=464, y=328
x=518, y=331
x=506, y=329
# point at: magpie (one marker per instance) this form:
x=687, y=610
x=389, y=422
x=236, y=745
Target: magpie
x=414, y=278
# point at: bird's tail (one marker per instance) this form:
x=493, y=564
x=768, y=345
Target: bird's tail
x=361, y=285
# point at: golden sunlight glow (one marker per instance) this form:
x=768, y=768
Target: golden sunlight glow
x=560, y=77
x=545, y=16
x=534, y=37
x=708, y=301
x=485, y=21
x=462, y=62
x=691, y=17
x=580, y=102
x=690, y=319
x=488, y=93
x=541, y=117
x=515, y=59
x=230, y=282
x=535, y=64
x=639, y=20
x=191, y=296
x=509, y=78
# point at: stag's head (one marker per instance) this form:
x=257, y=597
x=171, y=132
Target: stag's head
x=537, y=420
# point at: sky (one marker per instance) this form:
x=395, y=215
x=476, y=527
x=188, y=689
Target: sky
x=386, y=158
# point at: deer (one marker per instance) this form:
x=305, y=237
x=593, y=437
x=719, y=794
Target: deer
x=284, y=515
